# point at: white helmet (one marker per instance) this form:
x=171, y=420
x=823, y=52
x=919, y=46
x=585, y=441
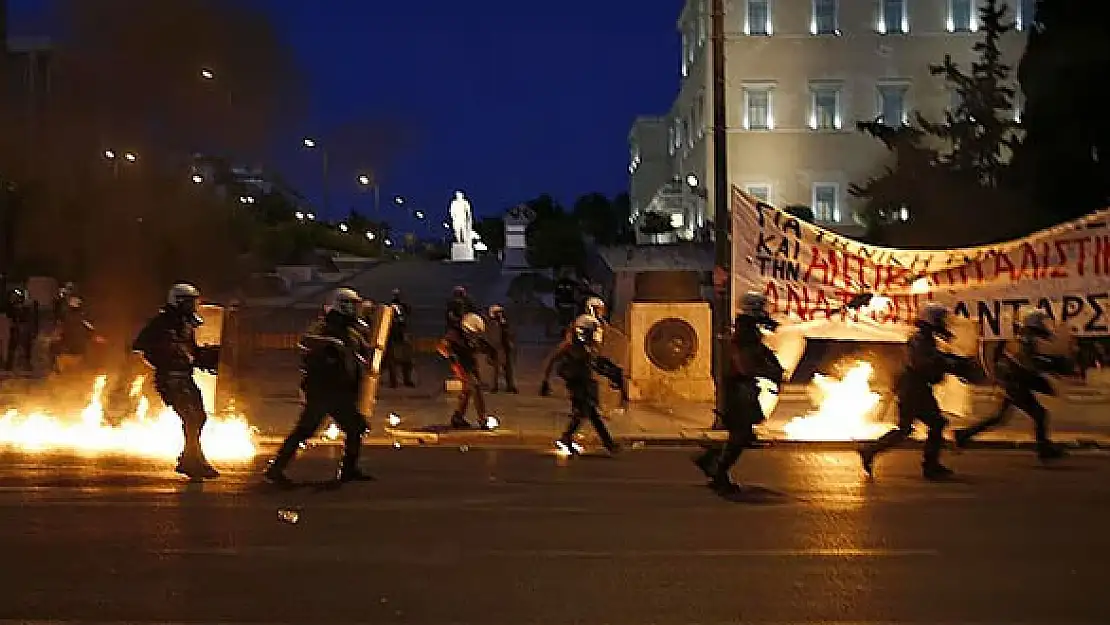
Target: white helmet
x=587, y=330
x=934, y=315
x=1036, y=320
x=182, y=293
x=345, y=302
x=73, y=301
x=753, y=304
x=472, y=324
x=595, y=306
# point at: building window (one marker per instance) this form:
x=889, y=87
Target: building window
x=1019, y=105
x=758, y=114
x=685, y=47
x=1026, y=14
x=824, y=107
x=702, y=29
x=761, y=192
x=679, y=137
x=826, y=203
x=688, y=132
x=633, y=157
x=698, y=115
x=824, y=21
x=893, y=19
x=961, y=16
x=759, y=17
x=670, y=140
x=892, y=105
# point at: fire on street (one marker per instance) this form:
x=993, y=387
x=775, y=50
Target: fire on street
x=516, y=536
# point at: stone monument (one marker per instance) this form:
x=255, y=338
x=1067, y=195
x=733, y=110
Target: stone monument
x=462, y=225
x=515, y=259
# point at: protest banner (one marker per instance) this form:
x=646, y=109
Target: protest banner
x=809, y=274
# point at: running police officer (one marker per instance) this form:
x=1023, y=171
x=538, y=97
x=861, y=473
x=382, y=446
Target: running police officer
x=1020, y=371
x=334, y=360
x=926, y=366
x=462, y=346
x=168, y=345
x=577, y=360
x=749, y=360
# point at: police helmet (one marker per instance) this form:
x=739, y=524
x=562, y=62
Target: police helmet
x=1036, y=321
x=472, y=324
x=595, y=306
x=345, y=301
x=496, y=311
x=183, y=294
x=587, y=330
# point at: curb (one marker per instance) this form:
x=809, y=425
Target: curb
x=508, y=439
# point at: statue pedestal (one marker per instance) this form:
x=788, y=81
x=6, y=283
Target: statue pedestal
x=514, y=259
x=462, y=253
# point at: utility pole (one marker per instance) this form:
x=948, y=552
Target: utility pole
x=722, y=215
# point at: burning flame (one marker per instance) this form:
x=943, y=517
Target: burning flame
x=845, y=409
x=227, y=436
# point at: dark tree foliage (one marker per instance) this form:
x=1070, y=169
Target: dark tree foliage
x=800, y=211
x=554, y=239
x=1064, y=159
x=492, y=231
x=605, y=219
x=654, y=223
x=951, y=176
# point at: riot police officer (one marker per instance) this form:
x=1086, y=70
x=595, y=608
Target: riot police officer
x=926, y=366
x=335, y=356
x=1020, y=371
x=74, y=332
x=577, y=360
x=398, y=351
x=461, y=346
x=459, y=306
x=168, y=345
x=23, y=315
x=505, y=342
x=749, y=360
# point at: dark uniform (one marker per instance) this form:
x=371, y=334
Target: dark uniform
x=462, y=347
x=459, y=306
x=925, y=367
x=168, y=344
x=567, y=301
x=74, y=331
x=576, y=361
x=398, y=351
x=504, y=339
x=748, y=361
x=23, y=315
x=335, y=354
x=1021, y=371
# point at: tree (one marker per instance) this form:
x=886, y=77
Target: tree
x=492, y=232
x=554, y=238
x=963, y=182
x=656, y=223
x=607, y=221
x=1064, y=158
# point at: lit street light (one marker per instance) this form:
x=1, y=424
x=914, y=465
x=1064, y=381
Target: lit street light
x=309, y=142
x=110, y=155
x=311, y=216
x=446, y=226
x=246, y=199
x=198, y=179
x=299, y=215
x=388, y=243
x=207, y=74
x=344, y=227
x=371, y=182
x=398, y=200
x=114, y=158
x=420, y=214
x=370, y=236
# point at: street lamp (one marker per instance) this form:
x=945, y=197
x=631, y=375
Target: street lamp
x=370, y=236
x=388, y=243
x=246, y=199
x=114, y=157
x=207, y=74
x=370, y=181
x=398, y=200
x=310, y=216
x=344, y=227
x=198, y=179
x=311, y=144
x=299, y=215
x=420, y=214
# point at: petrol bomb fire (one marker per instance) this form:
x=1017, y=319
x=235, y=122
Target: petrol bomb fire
x=846, y=408
x=142, y=432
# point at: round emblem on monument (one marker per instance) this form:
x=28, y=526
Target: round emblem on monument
x=671, y=344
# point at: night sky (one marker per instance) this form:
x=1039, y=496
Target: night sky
x=502, y=98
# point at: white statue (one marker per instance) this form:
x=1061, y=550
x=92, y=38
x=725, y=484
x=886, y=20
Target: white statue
x=462, y=219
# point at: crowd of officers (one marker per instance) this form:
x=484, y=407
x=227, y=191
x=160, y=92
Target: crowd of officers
x=337, y=351
x=65, y=327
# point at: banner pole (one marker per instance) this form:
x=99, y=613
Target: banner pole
x=722, y=215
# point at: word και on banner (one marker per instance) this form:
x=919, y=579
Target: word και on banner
x=810, y=274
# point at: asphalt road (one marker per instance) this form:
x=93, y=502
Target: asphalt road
x=515, y=537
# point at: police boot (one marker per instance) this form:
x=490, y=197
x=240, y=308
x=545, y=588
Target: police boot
x=867, y=459
x=275, y=471
x=707, y=461
x=459, y=421
x=1047, y=450
x=194, y=466
x=936, y=471
x=348, y=466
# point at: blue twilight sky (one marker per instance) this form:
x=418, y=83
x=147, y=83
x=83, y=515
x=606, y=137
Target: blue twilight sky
x=508, y=99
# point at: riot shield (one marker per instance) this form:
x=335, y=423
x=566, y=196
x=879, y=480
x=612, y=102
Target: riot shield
x=953, y=394
x=379, y=320
x=210, y=334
